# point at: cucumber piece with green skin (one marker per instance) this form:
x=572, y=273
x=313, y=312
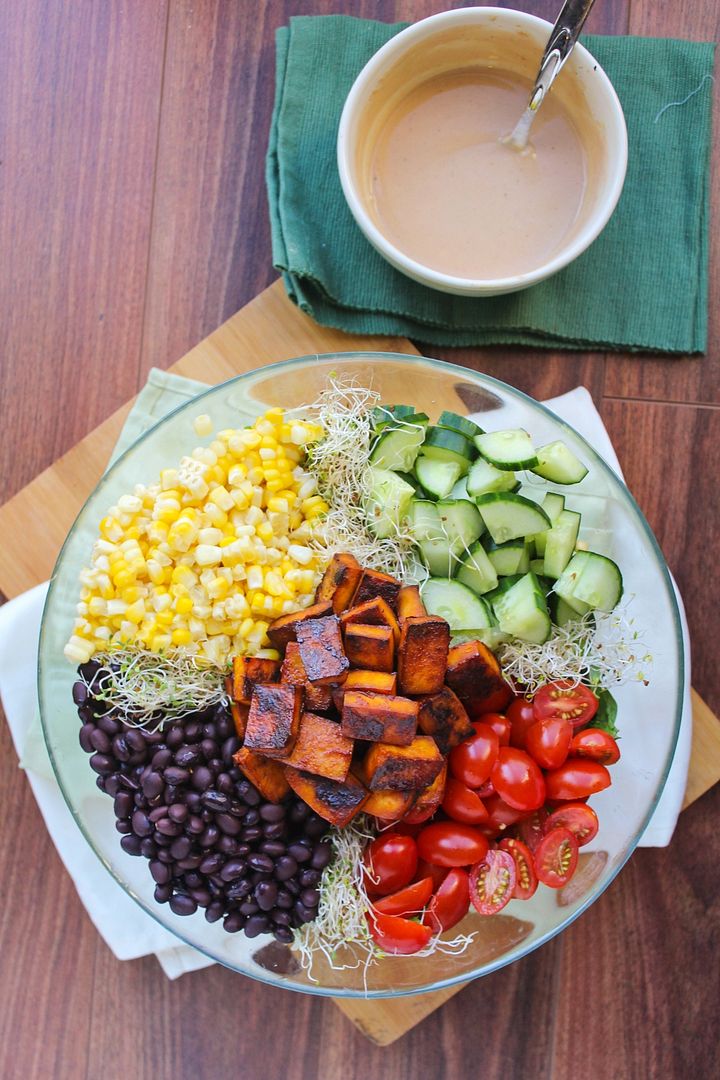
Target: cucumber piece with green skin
x=455, y=603
x=460, y=424
x=382, y=415
x=504, y=583
x=560, y=543
x=537, y=566
x=436, y=551
x=557, y=463
x=590, y=579
x=437, y=477
x=397, y=447
x=553, y=505
x=484, y=477
x=413, y=481
x=424, y=520
x=476, y=570
x=522, y=611
x=510, y=558
x=459, y=490
x=508, y=516
x=388, y=502
x=511, y=449
x=491, y=636
x=460, y=521
x=561, y=612
x=445, y=445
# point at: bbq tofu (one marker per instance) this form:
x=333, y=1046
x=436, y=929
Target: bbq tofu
x=422, y=654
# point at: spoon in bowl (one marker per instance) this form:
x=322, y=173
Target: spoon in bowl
x=560, y=44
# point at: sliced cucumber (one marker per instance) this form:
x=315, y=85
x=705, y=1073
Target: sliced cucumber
x=397, y=447
x=511, y=449
x=445, y=445
x=424, y=520
x=491, y=636
x=510, y=558
x=508, y=516
x=522, y=611
x=454, y=602
x=388, y=501
x=553, y=505
x=477, y=571
x=590, y=579
x=504, y=583
x=460, y=521
x=537, y=566
x=440, y=556
x=560, y=543
x=437, y=477
x=459, y=423
x=382, y=415
x=459, y=490
x=484, y=477
x=413, y=481
x=557, y=463
x=561, y=611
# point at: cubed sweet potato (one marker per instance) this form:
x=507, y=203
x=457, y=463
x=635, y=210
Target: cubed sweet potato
x=250, y=670
x=422, y=654
x=321, y=650
x=284, y=629
x=379, y=717
x=429, y=799
x=373, y=584
x=317, y=698
x=274, y=719
x=336, y=801
x=321, y=748
x=377, y=682
x=409, y=603
x=403, y=768
x=388, y=805
x=443, y=716
x=473, y=672
x=372, y=613
x=371, y=647
x=239, y=714
x=339, y=582
x=268, y=776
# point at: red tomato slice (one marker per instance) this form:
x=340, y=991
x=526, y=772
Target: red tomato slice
x=525, y=877
x=501, y=816
x=399, y=936
x=408, y=901
x=556, y=858
x=577, y=778
x=450, y=902
x=396, y=828
x=461, y=803
x=532, y=828
x=548, y=741
x=472, y=761
x=448, y=843
x=390, y=863
x=596, y=744
x=576, y=704
x=522, y=716
x=492, y=882
x=518, y=779
x=500, y=725
x=579, y=819
x=437, y=873
x=494, y=702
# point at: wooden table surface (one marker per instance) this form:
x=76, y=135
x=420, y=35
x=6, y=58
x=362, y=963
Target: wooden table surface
x=132, y=222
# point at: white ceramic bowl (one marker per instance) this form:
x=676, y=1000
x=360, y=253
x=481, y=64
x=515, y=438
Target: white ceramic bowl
x=482, y=37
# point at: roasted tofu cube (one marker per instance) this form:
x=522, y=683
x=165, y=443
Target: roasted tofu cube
x=371, y=647
x=239, y=715
x=473, y=672
x=336, y=801
x=403, y=768
x=340, y=581
x=377, y=682
x=409, y=603
x=373, y=584
x=268, y=776
x=389, y=805
x=321, y=650
x=321, y=748
x=379, y=717
x=429, y=799
x=274, y=719
x=250, y=670
x=284, y=629
x=373, y=613
x=443, y=716
x=422, y=654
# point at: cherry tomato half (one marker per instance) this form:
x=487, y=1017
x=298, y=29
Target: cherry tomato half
x=581, y=820
x=576, y=704
x=522, y=716
x=501, y=816
x=596, y=744
x=532, y=828
x=556, y=858
x=408, y=901
x=472, y=761
x=525, y=877
x=390, y=863
x=518, y=779
x=491, y=703
x=436, y=873
x=500, y=725
x=492, y=882
x=448, y=843
x=577, y=778
x=461, y=803
x=548, y=741
x=397, y=935
x=450, y=902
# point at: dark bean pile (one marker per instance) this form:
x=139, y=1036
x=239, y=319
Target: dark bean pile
x=210, y=838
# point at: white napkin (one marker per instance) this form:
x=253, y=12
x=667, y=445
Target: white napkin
x=125, y=927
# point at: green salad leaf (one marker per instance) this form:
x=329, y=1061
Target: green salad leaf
x=606, y=716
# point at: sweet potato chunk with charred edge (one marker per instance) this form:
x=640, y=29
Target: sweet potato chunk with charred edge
x=403, y=768
x=373, y=613
x=429, y=799
x=388, y=805
x=443, y=716
x=273, y=720
x=371, y=647
x=409, y=603
x=379, y=717
x=373, y=584
x=267, y=775
x=239, y=714
x=340, y=581
x=473, y=672
x=250, y=670
x=317, y=698
x=377, y=682
x=321, y=650
x=336, y=801
x=422, y=654
x=284, y=629
x=321, y=748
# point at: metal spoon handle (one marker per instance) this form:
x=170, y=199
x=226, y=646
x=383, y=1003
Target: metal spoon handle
x=560, y=44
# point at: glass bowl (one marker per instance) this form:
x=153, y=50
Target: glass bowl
x=649, y=716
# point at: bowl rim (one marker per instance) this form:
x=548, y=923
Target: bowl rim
x=378, y=63
x=318, y=359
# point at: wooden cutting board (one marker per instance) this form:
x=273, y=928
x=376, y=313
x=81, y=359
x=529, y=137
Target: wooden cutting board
x=269, y=328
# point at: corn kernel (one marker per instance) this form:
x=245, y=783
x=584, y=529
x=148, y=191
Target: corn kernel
x=203, y=425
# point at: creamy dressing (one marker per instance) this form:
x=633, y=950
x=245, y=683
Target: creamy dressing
x=449, y=194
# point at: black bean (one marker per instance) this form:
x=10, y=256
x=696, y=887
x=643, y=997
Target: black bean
x=304, y=914
x=252, y=816
x=310, y=898
x=229, y=747
x=123, y=804
x=292, y=886
x=112, y=784
x=285, y=867
x=193, y=801
x=202, y=778
x=162, y=758
x=280, y=918
x=79, y=692
x=315, y=827
x=164, y=855
x=160, y=840
x=148, y=848
x=235, y=774
x=84, y=735
x=102, y=764
x=153, y=785
x=209, y=731
x=201, y=896
x=263, y=863
x=238, y=809
x=211, y=863
x=136, y=741
x=129, y=782
x=284, y=899
x=283, y=934
x=206, y=815
x=89, y=670
x=163, y=893
x=174, y=737
x=168, y=827
x=100, y=782
x=214, y=911
x=249, y=907
x=156, y=813
x=108, y=725
x=274, y=848
x=188, y=755
x=160, y=871
x=266, y=894
x=123, y=827
x=224, y=725
x=175, y=775
x=309, y=878
x=207, y=748
x=274, y=830
x=141, y=824
x=130, y=844
x=178, y=812
x=121, y=749
x=180, y=848
x=298, y=812
x=248, y=793
x=299, y=852
x=182, y=905
x=233, y=922
x=229, y=845
x=233, y=869
x=224, y=783
x=251, y=834
x=193, y=731
x=216, y=766
x=272, y=812
x=195, y=825
x=229, y=825
x=190, y=862
x=322, y=854
x=215, y=800
x=209, y=836
x=193, y=880
x=239, y=889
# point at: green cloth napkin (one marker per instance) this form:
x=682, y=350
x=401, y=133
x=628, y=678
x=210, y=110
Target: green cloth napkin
x=641, y=286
